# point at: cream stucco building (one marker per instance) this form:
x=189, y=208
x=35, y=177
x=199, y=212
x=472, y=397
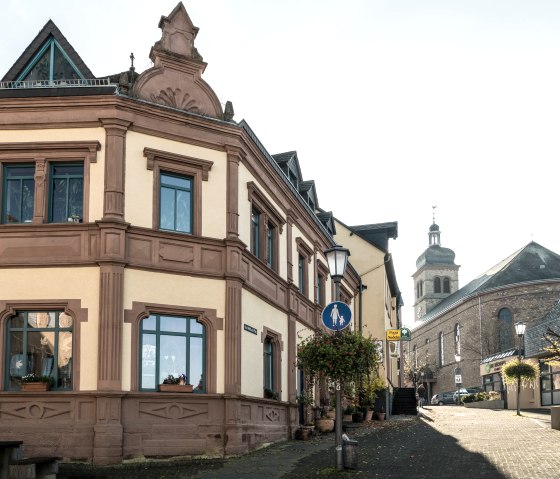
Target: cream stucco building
x=145, y=233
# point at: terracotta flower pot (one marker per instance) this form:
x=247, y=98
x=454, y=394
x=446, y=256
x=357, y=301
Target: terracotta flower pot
x=381, y=416
x=175, y=388
x=324, y=424
x=39, y=386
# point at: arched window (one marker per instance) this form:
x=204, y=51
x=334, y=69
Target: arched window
x=457, y=339
x=437, y=285
x=441, y=354
x=172, y=345
x=415, y=356
x=446, y=285
x=427, y=347
x=40, y=343
x=505, y=329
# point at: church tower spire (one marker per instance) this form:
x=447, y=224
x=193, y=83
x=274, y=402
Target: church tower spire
x=436, y=276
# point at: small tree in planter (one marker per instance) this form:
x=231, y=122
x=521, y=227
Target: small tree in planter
x=518, y=373
x=344, y=357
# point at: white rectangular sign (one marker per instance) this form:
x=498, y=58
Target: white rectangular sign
x=458, y=379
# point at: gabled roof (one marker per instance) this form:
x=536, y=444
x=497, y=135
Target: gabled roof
x=531, y=263
x=535, y=341
x=289, y=161
x=327, y=218
x=377, y=234
x=50, y=29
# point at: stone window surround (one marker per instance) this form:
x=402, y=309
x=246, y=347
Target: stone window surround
x=323, y=272
x=42, y=154
x=269, y=214
x=277, y=348
x=72, y=307
x=307, y=253
x=205, y=316
x=158, y=161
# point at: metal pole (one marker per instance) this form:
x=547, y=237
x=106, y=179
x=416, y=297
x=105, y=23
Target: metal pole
x=338, y=411
x=518, y=377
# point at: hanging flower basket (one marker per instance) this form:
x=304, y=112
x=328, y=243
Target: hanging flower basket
x=526, y=372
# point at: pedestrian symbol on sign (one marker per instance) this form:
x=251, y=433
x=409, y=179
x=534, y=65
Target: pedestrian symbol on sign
x=336, y=316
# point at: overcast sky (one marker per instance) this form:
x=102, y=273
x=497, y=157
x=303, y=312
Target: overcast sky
x=393, y=106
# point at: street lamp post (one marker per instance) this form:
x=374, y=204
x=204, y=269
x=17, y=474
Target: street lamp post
x=520, y=330
x=458, y=378
x=337, y=257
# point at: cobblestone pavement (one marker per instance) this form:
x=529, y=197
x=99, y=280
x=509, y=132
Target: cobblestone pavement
x=442, y=442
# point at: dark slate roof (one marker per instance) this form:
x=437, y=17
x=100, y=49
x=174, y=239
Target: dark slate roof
x=282, y=158
x=377, y=234
x=29, y=53
x=436, y=254
x=287, y=159
x=535, y=341
x=327, y=218
x=531, y=263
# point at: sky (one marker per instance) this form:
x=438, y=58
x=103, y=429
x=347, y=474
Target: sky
x=394, y=106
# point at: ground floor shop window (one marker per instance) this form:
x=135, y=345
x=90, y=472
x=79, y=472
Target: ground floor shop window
x=493, y=382
x=550, y=384
x=172, y=345
x=39, y=343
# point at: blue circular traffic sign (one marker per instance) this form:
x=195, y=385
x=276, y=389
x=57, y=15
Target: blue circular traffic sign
x=336, y=316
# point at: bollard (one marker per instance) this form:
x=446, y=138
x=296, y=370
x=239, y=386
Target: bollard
x=349, y=452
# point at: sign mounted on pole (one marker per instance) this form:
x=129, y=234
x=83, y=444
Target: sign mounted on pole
x=336, y=316
x=406, y=335
x=393, y=334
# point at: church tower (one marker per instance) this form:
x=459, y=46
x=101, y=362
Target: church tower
x=436, y=276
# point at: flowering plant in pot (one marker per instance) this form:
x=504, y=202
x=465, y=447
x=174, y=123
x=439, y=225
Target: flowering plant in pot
x=34, y=382
x=178, y=383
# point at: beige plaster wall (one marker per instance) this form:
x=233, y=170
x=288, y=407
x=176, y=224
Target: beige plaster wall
x=97, y=170
x=258, y=314
x=139, y=184
x=62, y=283
x=244, y=221
x=173, y=290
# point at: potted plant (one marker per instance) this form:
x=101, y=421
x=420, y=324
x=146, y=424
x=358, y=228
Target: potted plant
x=324, y=423
x=33, y=382
x=347, y=413
x=176, y=384
x=381, y=414
x=270, y=394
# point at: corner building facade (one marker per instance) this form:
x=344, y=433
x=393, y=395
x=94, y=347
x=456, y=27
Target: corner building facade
x=144, y=233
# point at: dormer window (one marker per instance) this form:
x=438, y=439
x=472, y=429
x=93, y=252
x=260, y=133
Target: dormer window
x=293, y=178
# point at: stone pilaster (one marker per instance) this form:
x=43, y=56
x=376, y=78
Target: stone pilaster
x=115, y=151
x=233, y=337
x=108, y=431
x=234, y=155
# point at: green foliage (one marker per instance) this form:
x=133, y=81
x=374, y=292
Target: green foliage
x=524, y=372
x=270, y=394
x=553, y=338
x=344, y=356
x=304, y=399
x=34, y=378
x=481, y=396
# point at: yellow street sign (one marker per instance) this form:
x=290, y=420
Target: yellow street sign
x=393, y=334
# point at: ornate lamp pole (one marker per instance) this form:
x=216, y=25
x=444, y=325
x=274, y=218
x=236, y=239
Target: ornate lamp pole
x=337, y=257
x=520, y=331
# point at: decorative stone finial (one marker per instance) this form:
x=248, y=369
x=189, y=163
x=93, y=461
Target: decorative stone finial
x=228, y=111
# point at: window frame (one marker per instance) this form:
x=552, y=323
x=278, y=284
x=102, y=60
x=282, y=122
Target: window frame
x=277, y=344
x=188, y=335
x=269, y=217
x=42, y=154
x=20, y=179
x=72, y=307
x=160, y=161
x=446, y=285
x=205, y=316
x=175, y=188
x=437, y=284
x=51, y=187
x=505, y=330
x=321, y=287
x=305, y=254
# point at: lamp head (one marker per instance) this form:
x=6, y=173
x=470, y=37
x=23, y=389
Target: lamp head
x=337, y=258
x=520, y=328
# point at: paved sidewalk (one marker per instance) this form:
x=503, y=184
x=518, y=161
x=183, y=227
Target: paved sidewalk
x=444, y=442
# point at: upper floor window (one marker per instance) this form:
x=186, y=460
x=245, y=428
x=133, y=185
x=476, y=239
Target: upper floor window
x=505, y=329
x=457, y=339
x=271, y=249
x=437, y=285
x=46, y=181
x=176, y=203
x=177, y=190
x=268, y=365
x=172, y=345
x=40, y=342
x=302, y=273
x=19, y=194
x=266, y=227
x=441, y=350
x=66, y=192
x=446, y=285
x=419, y=288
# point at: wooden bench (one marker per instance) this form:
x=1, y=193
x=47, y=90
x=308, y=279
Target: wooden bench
x=44, y=467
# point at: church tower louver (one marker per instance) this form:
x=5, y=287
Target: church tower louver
x=436, y=276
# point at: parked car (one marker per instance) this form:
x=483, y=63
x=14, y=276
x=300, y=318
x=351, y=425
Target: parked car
x=442, y=398
x=465, y=392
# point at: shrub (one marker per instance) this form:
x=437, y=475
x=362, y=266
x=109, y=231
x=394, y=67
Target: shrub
x=469, y=398
x=494, y=396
